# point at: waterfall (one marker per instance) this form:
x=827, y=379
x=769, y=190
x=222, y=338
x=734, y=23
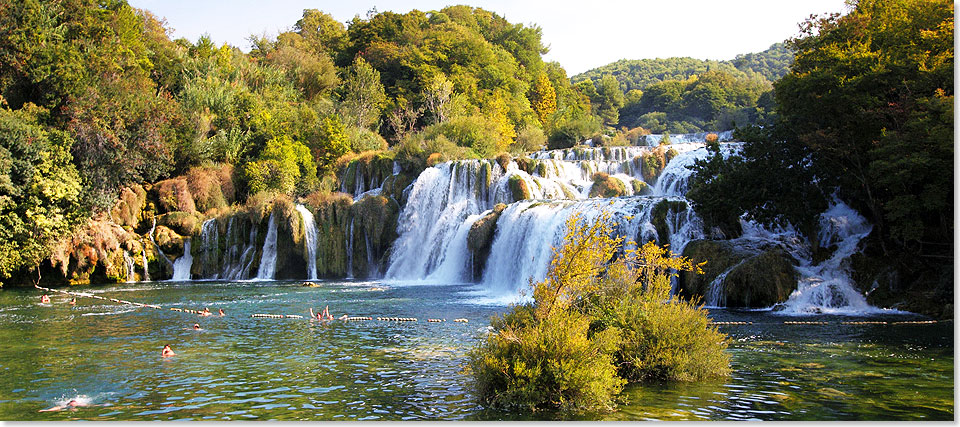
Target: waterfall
x=239, y=264
x=827, y=287
x=310, y=240
x=373, y=271
x=268, y=259
x=182, y=266
x=143, y=258
x=210, y=249
x=131, y=272
x=350, y=250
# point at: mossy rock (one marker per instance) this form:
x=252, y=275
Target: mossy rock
x=640, y=188
x=480, y=239
x=762, y=280
x=518, y=188
x=719, y=256
x=606, y=186
x=170, y=242
x=183, y=223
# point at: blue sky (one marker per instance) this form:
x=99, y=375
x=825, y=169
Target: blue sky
x=581, y=34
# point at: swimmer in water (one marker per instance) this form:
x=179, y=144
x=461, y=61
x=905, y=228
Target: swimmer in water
x=196, y=327
x=73, y=301
x=73, y=405
x=167, y=351
x=205, y=312
x=326, y=313
x=221, y=311
x=44, y=298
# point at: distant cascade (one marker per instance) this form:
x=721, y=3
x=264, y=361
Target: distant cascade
x=131, y=267
x=827, y=287
x=268, y=258
x=310, y=240
x=182, y=266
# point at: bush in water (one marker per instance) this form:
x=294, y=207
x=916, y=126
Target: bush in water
x=601, y=318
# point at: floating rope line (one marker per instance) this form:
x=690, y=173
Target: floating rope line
x=118, y=301
x=732, y=323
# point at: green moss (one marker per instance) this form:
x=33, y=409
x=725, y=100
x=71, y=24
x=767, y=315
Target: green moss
x=671, y=154
x=518, y=188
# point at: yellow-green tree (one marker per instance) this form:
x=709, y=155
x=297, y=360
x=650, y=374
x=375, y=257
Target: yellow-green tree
x=602, y=317
x=543, y=98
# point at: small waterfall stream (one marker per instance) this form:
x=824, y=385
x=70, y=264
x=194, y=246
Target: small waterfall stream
x=131, y=267
x=182, y=266
x=268, y=259
x=310, y=241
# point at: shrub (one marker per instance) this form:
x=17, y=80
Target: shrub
x=434, y=158
x=596, y=322
x=174, y=195
x=475, y=132
x=530, y=138
x=362, y=139
x=211, y=186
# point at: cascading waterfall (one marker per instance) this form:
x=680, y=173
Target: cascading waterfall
x=268, y=258
x=209, y=252
x=182, y=266
x=827, y=287
x=310, y=240
x=447, y=199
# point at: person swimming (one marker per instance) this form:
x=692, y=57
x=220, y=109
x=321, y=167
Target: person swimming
x=73, y=301
x=44, y=298
x=196, y=327
x=167, y=351
x=324, y=315
x=205, y=312
x=220, y=311
x=72, y=404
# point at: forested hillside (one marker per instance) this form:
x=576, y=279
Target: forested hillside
x=681, y=95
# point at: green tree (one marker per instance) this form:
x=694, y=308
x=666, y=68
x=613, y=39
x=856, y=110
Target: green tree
x=39, y=189
x=284, y=166
x=363, y=95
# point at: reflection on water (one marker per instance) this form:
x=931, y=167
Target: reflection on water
x=240, y=367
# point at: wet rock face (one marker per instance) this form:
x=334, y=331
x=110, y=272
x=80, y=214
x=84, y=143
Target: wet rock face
x=754, y=279
x=761, y=281
x=481, y=238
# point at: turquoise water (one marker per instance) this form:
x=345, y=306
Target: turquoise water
x=238, y=367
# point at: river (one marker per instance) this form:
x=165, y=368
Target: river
x=239, y=367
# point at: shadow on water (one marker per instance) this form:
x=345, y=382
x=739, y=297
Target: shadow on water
x=238, y=367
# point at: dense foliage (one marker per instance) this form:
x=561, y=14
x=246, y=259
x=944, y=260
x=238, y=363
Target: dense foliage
x=603, y=317
x=866, y=115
